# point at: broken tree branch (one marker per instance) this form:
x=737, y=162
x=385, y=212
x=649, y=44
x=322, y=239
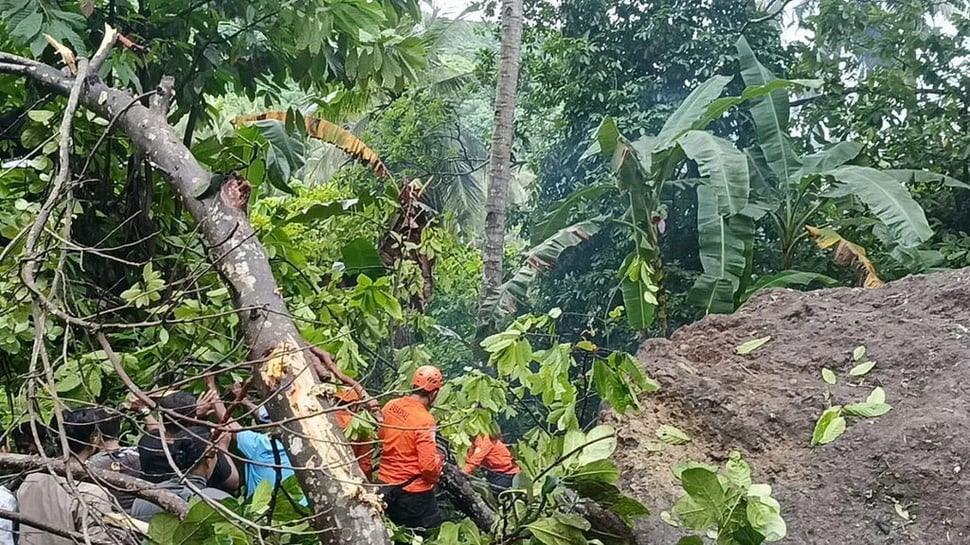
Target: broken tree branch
x=345, y=510
x=110, y=479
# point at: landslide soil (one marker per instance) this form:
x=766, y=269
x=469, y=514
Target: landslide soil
x=765, y=404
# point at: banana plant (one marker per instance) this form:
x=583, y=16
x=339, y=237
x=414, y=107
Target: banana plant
x=798, y=186
x=644, y=166
x=726, y=208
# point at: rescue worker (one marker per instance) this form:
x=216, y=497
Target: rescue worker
x=410, y=461
x=363, y=450
x=489, y=452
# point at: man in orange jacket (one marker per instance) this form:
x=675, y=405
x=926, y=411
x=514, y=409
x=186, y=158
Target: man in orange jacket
x=363, y=450
x=491, y=453
x=410, y=461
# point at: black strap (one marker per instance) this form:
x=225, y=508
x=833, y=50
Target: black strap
x=278, y=461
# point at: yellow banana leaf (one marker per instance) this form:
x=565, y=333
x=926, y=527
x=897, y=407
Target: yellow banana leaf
x=847, y=254
x=330, y=133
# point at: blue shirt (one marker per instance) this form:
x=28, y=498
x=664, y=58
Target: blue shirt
x=256, y=447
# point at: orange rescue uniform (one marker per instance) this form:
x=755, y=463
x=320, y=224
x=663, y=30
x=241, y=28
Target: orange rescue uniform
x=408, y=446
x=362, y=451
x=492, y=454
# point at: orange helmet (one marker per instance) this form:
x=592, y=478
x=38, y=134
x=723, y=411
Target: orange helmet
x=427, y=378
x=347, y=395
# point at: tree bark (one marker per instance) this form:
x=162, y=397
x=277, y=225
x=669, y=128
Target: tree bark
x=466, y=498
x=500, y=162
x=112, y=480
x=345, y=510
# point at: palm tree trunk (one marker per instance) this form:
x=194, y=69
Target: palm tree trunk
x=500, y=167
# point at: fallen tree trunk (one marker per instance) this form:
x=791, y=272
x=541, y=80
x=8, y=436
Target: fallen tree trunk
x=466, y=498
x=344, y=510
x=112, y=480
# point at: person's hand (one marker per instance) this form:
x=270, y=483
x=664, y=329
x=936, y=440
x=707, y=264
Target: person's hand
x=205, y=406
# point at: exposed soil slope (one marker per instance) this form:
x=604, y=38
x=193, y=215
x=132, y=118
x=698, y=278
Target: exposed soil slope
x=765, y=404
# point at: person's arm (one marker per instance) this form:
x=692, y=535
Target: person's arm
x=138, y=406
x=229, y=428
x=480, y=449
x=430, y=459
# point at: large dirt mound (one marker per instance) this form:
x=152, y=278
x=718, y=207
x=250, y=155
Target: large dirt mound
x=765, y=405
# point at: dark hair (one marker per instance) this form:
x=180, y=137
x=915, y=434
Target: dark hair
x=190, y=447
x=80, y=426
x=23, y=437
x=182, y=403
x=187, y=447
x=109, y=422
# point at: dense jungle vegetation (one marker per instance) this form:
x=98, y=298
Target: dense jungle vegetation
x=669, y=159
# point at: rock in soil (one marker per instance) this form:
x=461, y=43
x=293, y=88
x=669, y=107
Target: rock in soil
x=765, y=404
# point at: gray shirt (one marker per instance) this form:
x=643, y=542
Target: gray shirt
x=49, y=499
x=144, y=510
x=125, y=461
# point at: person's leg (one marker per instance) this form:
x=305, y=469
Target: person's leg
x=499, y=481
x=415, y=510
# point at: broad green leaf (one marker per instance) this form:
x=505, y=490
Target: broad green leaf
x=639, y=312
x=41, y=116
x=745, y=535
x=28, y=27
x=764, y=513
x=261, y=497
x=720, y=106
x=285, y=155
x=878, y=395
x=574, y=521
x=828, y=376
x=750, y=346
x=360, y=257
x=862, y=369
x=537, y=259
x=672, y=435
x=922, y=176
x=693, y=108
x=162, y=528
x=867, y=409
x=690, y=540
x=551, y=531
x=706, y=501
x=826, y=160
x=679, y=469
x=829, y=426
x=628, y=507
x=607, y=138
x=563, y=211
x=770, y=114
x=858, y=353
x=788, y=278
x=737, y=471
x=723, y=165
x=603, y=471
x=600, y=444
x=723, y=254
x=888, y=200
x=322, y=211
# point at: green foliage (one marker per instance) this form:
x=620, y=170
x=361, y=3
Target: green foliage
x=504, y=300
x=206, y=525
x=542, y=381
x=829, y=426
x=727, y=503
